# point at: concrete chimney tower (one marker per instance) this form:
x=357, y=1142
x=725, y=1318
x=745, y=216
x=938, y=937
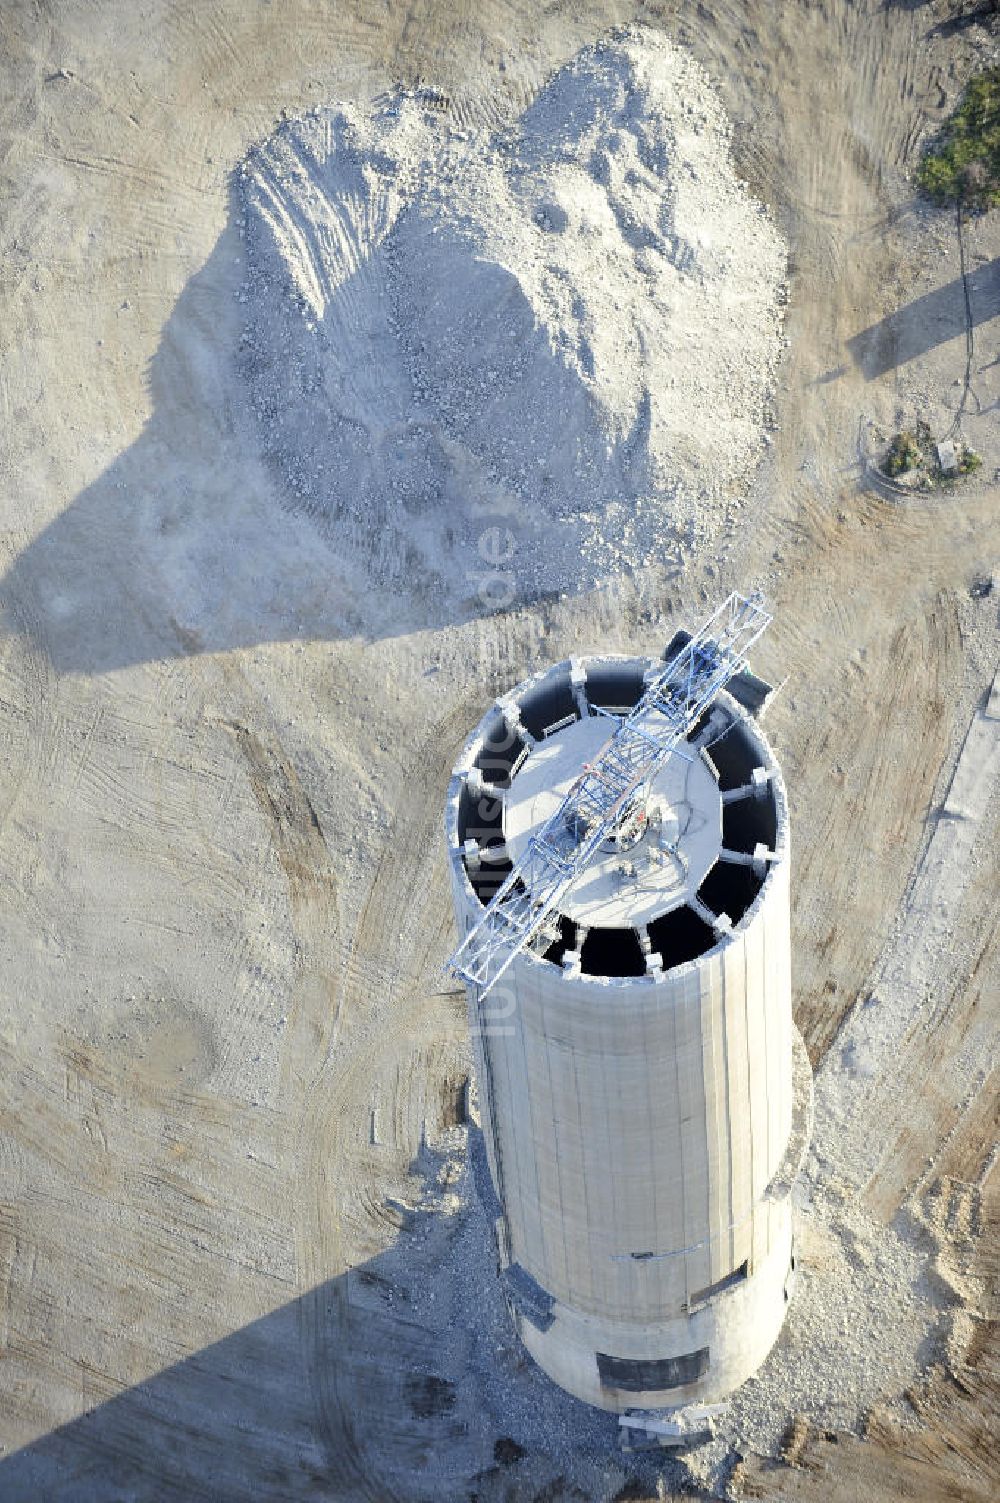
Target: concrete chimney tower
x=645, y=1098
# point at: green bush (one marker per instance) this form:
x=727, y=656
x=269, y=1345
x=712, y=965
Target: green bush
x=904, y=453
x=964, y=163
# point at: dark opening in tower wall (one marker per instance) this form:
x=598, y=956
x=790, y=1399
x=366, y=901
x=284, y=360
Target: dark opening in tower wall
x=487, y=878
x=730, y=889
x=612, y=952
x=563, y=942
x=698, y=727
x=547, y=704
x=480, y=816
x=646, y=1374
x=749, y=822
x=734, y=757
x=616, y=686
x=501, y=750
x=679, y=936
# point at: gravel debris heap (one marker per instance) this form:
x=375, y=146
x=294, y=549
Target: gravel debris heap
x=566, y=328
x=875, y=1305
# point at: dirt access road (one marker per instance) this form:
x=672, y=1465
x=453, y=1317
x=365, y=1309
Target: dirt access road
x=223, y=1038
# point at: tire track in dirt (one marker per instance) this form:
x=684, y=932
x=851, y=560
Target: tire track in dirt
x=313, y=1008
x=29, y=700
x=865, y=798
x=943, y=1104
x=948, y=1455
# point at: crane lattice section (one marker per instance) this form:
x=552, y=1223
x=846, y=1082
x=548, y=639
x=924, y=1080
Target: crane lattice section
x=609, y=793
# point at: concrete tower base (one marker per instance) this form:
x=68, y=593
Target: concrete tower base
x=720, y=1345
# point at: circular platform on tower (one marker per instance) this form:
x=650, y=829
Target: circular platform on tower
x=675, y=845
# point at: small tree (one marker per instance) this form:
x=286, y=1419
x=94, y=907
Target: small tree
x=963, y=164
x=903, y=455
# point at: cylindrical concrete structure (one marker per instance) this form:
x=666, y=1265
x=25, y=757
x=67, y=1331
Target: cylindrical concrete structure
x=644, y=1095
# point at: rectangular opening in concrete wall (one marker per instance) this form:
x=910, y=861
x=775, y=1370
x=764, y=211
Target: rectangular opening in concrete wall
x=546, y=704
x=501, y=750
x=612, y=952
x=750, y=691
x=565, y=940
x=615, y=686
x=730, y=889
x=680, y=935
x=749, y=822
x=488, y=877
x=696, y=730
x=480, y=816
x=680, y=639
x=734, y=757
x=646, y=1374
x=720, y=1286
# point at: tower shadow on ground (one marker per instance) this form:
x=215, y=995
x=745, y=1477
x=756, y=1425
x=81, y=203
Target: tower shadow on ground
x=401, y=1378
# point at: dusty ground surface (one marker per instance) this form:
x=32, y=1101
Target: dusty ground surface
x=229, y=1068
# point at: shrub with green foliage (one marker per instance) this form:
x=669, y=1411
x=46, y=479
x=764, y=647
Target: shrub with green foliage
x=964, y=163
x=903, y=455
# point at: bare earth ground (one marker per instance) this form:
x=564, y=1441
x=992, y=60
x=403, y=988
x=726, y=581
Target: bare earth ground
x=224, y=899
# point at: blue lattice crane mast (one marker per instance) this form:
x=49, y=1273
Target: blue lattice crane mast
x=607, y=801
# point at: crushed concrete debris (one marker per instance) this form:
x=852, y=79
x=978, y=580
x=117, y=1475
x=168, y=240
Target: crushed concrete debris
x=564, y=332
x=874, y=1305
